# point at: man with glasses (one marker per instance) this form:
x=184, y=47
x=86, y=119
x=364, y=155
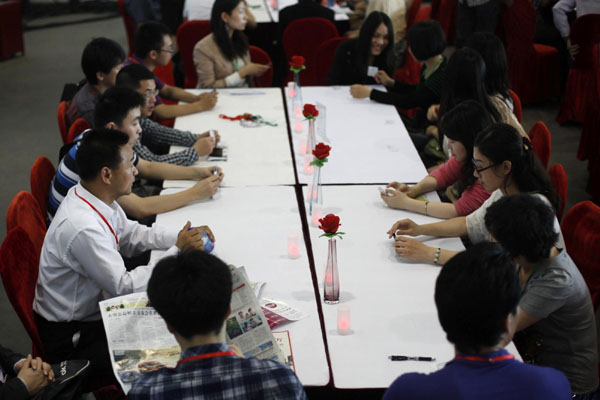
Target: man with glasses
x=153, y=47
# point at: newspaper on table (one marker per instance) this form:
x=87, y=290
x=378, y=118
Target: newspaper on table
x=277, y=312
x=139, y=342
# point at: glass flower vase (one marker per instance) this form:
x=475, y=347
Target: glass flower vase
x=297, y=88
x=331, y=286
x=311, y=139
x=316, y=195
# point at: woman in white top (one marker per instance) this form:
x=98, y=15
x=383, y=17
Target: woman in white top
x=504, y=164
x=222, y=59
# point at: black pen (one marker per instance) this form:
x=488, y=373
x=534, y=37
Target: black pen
x=409, y=358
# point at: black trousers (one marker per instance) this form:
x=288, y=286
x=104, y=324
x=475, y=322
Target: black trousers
x=469, y=20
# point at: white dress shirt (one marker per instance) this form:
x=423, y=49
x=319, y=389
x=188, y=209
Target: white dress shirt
x=581, y=7
x=81, y=263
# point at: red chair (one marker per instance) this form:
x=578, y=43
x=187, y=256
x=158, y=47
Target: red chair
x=325, y=55
x=533, y=69
x=517, y=108
x=581, y=230
x=411, y=14
x=423, y=14
x=561, y=185
x=259, y=56
x=583, y=82
x=19, y=265
x=129, y=25
x=40, y=178
x=75, y=130
x=188, y=34
x=11, y=29
x=24, y=211
x=301, y=37
x=62, y=120
x=541, y=141
x=444, y=11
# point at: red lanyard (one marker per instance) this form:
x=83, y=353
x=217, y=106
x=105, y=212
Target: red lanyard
x=486, y=359
x=100, y=214
x=236, y=118
x=207, y=355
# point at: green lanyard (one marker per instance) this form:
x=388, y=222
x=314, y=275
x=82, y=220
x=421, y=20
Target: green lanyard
x=434, y=68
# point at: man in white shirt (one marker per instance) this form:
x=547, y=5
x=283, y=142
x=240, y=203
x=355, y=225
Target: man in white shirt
x=81, y=261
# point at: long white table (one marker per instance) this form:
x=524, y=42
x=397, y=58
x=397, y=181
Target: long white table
x=257, y=156
x=390, y=299
x=369, y=141
x=251, y=226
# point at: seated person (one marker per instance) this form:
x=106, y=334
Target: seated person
x=476, y=295
x=461, y=126
x=101, y=61
x=81, y=261
x=504, y=164
x=135, y=77
x=32, y=375
x=121, y=113
x=153, y=47
x=222, y=59
x=372, y=48
x=303, y=9
x=396, y=10
x=192, y=292
x=555, y=318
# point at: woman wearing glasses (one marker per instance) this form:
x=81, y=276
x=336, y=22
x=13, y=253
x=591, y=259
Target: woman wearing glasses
x=504, y=163
x=461, y=125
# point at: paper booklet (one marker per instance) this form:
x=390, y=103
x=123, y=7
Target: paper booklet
x=139, y=342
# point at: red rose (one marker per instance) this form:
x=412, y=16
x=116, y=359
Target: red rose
x=330, y=223
x=321, y=151
x=297, y=62
x=310, y=111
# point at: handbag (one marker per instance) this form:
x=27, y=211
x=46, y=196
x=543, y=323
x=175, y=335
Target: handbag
x=69, y=377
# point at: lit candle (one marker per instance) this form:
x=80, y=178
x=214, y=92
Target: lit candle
x=317, y=212
x=308, y=169
x=297, y=109
x=293, y=246
x=343, y=320
x=298, y=126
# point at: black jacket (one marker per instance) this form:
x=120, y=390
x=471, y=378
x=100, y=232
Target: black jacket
x=13, y=388
x=344, y=69
x=304, y=9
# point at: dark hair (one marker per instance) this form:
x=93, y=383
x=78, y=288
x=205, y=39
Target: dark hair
x=237, y=45
x=490, y=47
x=149, y=36
x=115, y=104
x=474, y=293
x=363, y=47
x=426, y=39
x=523, y=225
x=502, y=142
x=462, y=124
x=100, y=55
x=192, y=292
x=131, y=76
x=99, y=148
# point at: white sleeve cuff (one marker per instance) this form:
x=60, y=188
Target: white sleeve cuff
x=233, y=80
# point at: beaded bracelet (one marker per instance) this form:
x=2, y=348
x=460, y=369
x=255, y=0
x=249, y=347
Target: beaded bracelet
x=436, y=257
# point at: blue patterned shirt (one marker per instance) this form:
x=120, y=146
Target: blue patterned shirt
x=218, y=378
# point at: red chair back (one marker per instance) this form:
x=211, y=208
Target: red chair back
x=19, y=265
x=585, y=32
x=40, y=178
x=259, y=56
x=541, y=141
x=75, y=130
x=561, y=185
x=325, y=55
x=165, y=74
x=581, y=230
x=410, y=71
x=62, y=120
x=519, y=20
x=517, y=108
x=188, y=34
x=129, y=25
x=301, y=37
x=24, y=211
x=412, y=12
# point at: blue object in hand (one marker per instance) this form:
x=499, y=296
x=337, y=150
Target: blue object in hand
x=208, y=244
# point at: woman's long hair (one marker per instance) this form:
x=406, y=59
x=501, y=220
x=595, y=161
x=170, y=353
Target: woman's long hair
x=363, y=48
x=237, y=45
x=492, y=50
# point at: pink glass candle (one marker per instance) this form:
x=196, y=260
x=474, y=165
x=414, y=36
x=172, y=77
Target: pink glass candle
x=308, y=169
x=317, y=211
x=343, y=320
x=293, y=246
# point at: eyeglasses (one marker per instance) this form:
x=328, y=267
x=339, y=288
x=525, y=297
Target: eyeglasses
x=480, y=170
x=170, y=51
x=151, y=93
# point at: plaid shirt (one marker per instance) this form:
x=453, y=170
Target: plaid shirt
x=164, y=135
x=219, y=378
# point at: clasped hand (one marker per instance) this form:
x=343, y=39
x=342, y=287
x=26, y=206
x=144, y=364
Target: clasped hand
x=191, y=238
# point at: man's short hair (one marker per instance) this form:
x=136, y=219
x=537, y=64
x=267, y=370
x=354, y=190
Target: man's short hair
x=426, y=39
x=131, y=76
x=100, y=55
x=523, y=224
x=149, y=36
x=192, y=292
x=114, y=105
x=474, y=293
x=99, y=148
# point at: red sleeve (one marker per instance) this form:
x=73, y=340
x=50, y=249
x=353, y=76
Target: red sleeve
x=448, y=173
x=471, y=199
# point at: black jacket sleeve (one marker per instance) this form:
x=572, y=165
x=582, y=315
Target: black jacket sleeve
x=339, y=69
x=406, y=96
x=13, y=389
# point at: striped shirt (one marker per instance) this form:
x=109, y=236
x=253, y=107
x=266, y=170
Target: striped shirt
x=160, y=134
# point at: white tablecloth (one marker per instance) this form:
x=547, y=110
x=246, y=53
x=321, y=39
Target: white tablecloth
x=260, y=11
x=369, y=141
x=251, y=226
x=257, y=156
x=390, y=299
